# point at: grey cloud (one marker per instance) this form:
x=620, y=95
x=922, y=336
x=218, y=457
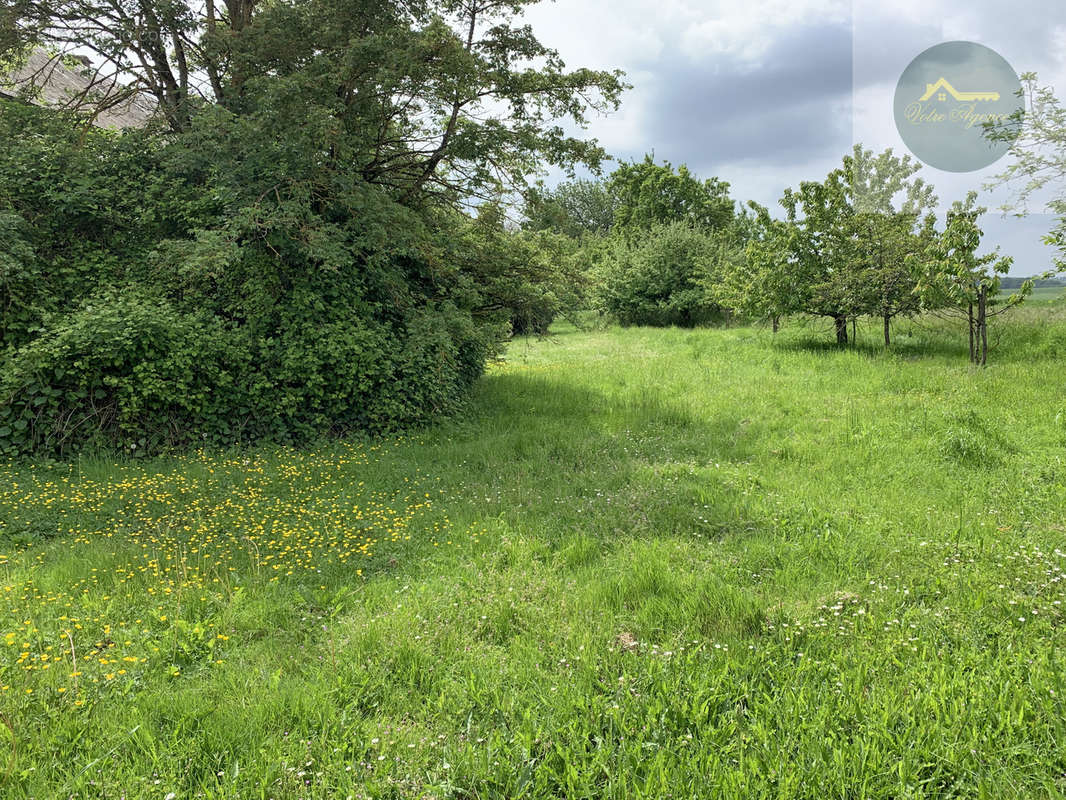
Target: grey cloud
x=794, y=106
x=884, y=46
x=1022, y=31
x=770, y=124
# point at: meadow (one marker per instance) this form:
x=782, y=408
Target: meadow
x=646, y=563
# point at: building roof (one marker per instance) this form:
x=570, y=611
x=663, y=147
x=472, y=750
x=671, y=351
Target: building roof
x=51, y=80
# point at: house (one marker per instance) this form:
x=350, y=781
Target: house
x=58, y=82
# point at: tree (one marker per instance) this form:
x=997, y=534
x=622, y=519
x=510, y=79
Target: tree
x=671, y=236
x=662, y=278
x=651, y=194
x=958, y=281
x=442, y=96
x=575, y=208
x=1038, y=136
x=298, y=212
x=891, y=219
x=754, y=281
x=841, y=251
x=531, y=276
x=819, y=250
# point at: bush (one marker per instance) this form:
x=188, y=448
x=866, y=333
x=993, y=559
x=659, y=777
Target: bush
x=134, y=373
x=661, y=278
x=151, y=303
x=125, y=372
x=551, y=283
x=79, y=208
x=530, y=277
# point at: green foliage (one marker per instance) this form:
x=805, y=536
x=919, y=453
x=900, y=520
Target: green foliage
x=753, y=283
x=554, y=281
x=670, y=239
x=309, y=318
x=893, y=218
x=1037, y=132
x=574, y=208
x=955, y=279
x=79, y=207
x=844, y=248
x=123, y=371
x=136, y=374
x=954, y=274
x=528, y=277
x=662, y=278
x=650, y=194
x=18, y=277
x=438, y=96
x=283, y=253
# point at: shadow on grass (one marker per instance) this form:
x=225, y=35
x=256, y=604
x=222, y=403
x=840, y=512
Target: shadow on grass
x=903, y=345
x=1025, y=335
x=560, y=460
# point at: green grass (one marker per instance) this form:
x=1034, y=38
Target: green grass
x=1041, y=295
x=650, y=563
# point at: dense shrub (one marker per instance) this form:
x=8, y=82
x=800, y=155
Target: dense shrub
x=79, y=207
x=662, y=277
x=135, y=373
x=553, y=282
x=126, y=371
x=287, y=252
x=529, y=277
x=152, y=315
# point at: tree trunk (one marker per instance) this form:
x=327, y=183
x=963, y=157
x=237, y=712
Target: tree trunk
x=970, y=322
x=854, y=330
x=776, y=323
x=982, y=322
x=841, y=322
x=888, y=335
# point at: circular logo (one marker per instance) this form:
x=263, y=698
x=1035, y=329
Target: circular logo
x=946, y=99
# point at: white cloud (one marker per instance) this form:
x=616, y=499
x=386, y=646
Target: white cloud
x=745, y=31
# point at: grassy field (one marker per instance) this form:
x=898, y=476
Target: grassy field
x=1042, y=295
x=650, y=563
x=1047, y=293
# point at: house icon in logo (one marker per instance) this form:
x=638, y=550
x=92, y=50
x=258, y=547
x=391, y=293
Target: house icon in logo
x=942, y=89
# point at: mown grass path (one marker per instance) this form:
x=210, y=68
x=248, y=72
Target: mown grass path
x=648, y=564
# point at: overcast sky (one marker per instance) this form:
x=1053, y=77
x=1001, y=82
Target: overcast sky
x=766, y=93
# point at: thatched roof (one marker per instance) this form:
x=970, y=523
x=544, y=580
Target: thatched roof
x=51, y=80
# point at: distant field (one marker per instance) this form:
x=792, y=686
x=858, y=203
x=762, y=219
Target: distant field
x=653, y=563
x=1043, y=295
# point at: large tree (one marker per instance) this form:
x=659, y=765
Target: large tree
x=299, y=208
x=435, y=95
x=650, y=194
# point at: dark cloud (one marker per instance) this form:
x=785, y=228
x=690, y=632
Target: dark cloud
x=787, y=115
x=794, y=105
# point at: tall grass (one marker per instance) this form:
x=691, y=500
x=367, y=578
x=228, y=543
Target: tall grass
x=646, y=563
